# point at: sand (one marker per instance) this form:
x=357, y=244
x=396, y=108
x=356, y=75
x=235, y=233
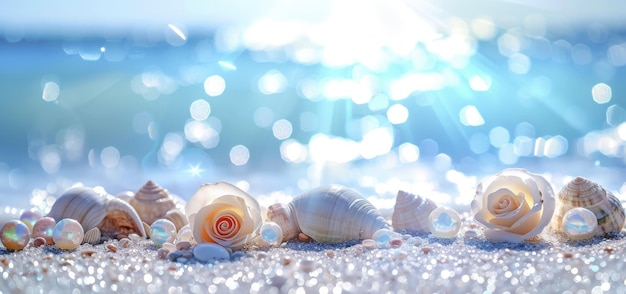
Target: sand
x=434, y=265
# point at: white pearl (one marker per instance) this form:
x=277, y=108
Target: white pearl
x=384, y=236
x=579, y=223
x=271, y=234
x=30, y=218
x=444, y=222
x=68, y=234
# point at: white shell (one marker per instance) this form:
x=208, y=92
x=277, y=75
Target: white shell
x=93, y=209
x=410, y=214
x=581, y=192
x=152, y=202
x=331, y=214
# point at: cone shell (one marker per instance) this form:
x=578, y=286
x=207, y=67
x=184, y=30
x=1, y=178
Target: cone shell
x=410, y=214
x=581, y=192
x=92, y=209
x=331, y=214
x=152, y=202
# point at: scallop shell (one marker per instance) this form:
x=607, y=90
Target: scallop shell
x=331, y=214
x=152, y=202
x=92, y=209
x=92, y=236
x=581, y=192
x=410, y=214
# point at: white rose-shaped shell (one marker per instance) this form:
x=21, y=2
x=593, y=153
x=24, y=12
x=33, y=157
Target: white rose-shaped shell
x=513, y=205
x=223, y=214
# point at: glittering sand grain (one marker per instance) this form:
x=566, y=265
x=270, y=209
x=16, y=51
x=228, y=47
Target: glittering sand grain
x=460, y=265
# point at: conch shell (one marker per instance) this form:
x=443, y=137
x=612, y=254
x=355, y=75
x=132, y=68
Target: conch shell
x=93, y=209
x=152, y=202
x=411, y=213
x=581, y=192
x=331, y=214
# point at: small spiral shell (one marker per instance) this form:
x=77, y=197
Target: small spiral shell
x=152, y=202
x=411, y=213
x=581, y=192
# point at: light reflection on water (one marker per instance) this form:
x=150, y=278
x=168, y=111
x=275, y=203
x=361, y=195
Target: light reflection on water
x=284, y=107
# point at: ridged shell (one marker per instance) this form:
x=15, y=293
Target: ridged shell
x=93, y=209
x=331, y=214
x=411, y=213
x=581, y=192
x=152, y=202
x=92, y=236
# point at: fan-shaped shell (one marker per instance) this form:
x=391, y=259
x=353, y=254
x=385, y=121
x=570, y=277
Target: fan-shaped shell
x=152, y=202
x=581, y=192
x=331, y=214
x=411, y=213
x=93, y=209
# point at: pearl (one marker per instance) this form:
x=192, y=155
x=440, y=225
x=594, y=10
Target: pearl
x=271, y=234
x=384, y=236
x=15, y=235
x=44, y=227
x=161, y=231
x=30, y=217
x=579, y=223
x=68, y=234
x=444, y=222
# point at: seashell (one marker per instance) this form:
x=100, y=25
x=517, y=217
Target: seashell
x=411, y=213
x=92, y=236
x=92, y=209
x=581, y=192
x=331, y=214
x=152, y=202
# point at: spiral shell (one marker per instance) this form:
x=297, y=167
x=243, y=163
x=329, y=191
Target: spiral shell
x=331, y=214
x=410, y=214
x=581, y=192
x=93, y=209
x=152, y=202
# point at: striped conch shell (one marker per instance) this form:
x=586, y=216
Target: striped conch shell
x=152, y=202
x=581, y=192
x=97, y=210
x=331, y=214
x=411, y=212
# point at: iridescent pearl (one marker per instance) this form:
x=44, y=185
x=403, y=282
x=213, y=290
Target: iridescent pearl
x=44, y=227
x=271, y=234
x=384, y=236
x=444, y=222
x=30, y=217
x=579, y=223
x=15, y=235
x=68, y=234
x=161, y=231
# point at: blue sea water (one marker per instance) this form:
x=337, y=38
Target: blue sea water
x=188, y=108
